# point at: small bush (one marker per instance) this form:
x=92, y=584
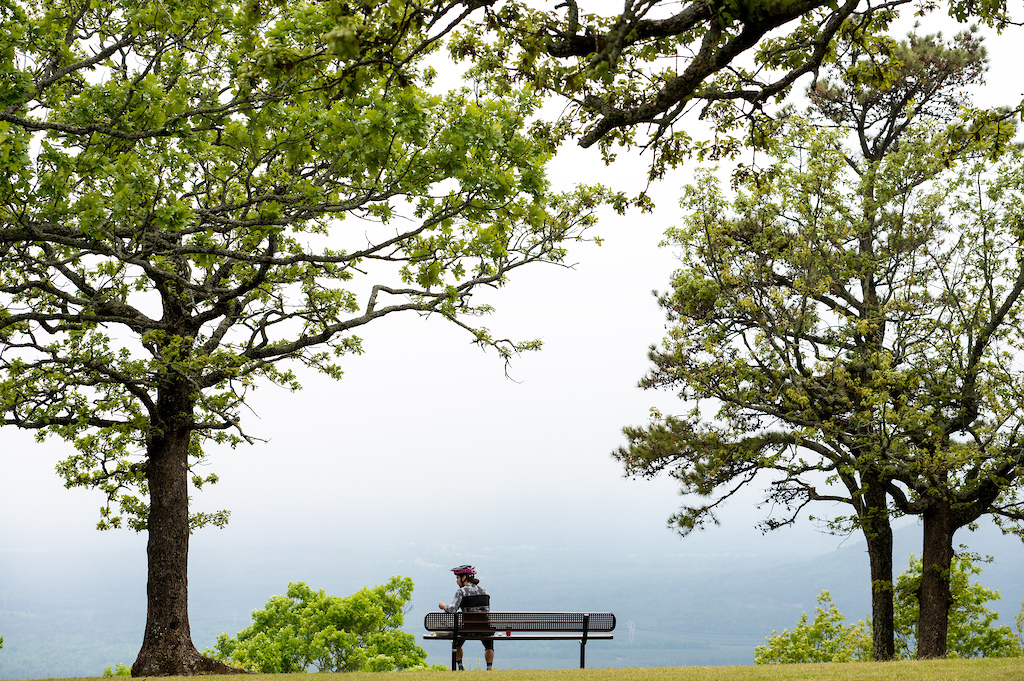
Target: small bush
x=118, y=670
x=827, y=639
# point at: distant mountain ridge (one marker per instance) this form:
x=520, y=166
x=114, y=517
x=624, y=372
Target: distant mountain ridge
x=72, y=613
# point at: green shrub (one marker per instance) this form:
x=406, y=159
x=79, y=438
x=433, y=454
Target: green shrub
x=118, y=670
x=826, y=639
x=309, y=629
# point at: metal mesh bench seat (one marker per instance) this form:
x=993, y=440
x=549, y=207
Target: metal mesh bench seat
x=520, y=626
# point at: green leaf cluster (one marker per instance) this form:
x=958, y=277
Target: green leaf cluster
x=826, y=639
x=118, y=670
x=307, y=629
x=630, y=76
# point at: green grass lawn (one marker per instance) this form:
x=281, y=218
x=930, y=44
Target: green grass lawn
x=1006, y=669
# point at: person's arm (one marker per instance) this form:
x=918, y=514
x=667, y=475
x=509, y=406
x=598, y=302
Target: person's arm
x=454, y=606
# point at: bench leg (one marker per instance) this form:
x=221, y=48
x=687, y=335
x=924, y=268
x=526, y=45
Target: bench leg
x=583, y=642
x=455, y=638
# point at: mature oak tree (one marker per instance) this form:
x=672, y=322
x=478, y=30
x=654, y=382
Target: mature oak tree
x=194, y=195
x=840, y=307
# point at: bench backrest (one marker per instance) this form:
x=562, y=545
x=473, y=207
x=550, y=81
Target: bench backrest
x=487, y=622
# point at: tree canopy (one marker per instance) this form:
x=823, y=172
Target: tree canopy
x=642, y=75
x=188, y=187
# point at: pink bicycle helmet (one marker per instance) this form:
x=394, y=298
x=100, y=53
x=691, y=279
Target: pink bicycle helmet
x=464, y=570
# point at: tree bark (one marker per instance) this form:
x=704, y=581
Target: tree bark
x=934, y=596
x=167, y=648
x=878, y=533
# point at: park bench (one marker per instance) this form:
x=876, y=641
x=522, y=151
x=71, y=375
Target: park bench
x=520, y=626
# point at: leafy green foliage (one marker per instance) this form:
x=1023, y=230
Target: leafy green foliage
x=1019, y=622
x=825, y=308
x=649, y=65
x=307, y=628
x=972, y=630
x=117, y=670
x=826, y=639
x=223, y=189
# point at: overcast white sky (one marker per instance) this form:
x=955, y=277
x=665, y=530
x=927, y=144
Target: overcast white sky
x=425, y=420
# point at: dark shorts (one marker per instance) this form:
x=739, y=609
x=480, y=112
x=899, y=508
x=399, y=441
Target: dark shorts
x=488, y=644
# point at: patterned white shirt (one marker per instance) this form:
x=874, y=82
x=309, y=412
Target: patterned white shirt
x=475, y=597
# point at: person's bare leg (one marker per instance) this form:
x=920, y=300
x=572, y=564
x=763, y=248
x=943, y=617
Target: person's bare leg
x=489, y=657
x=458, y=657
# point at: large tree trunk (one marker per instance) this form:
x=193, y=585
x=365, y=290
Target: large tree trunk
x=167, y=648
x=878, y=533
x=934, y=596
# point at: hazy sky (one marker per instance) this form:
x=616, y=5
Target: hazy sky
x=425, y=424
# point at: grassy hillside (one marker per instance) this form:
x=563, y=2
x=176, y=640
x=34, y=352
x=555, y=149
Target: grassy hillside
x=933, y=670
